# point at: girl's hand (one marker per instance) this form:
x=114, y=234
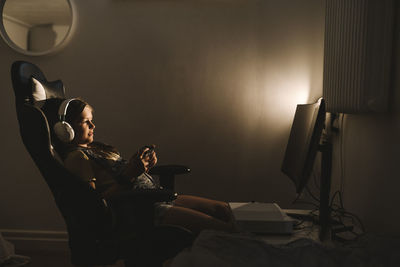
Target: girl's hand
x=149, y=157
x=141, y=161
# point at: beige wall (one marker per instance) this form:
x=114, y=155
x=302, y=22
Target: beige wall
x=18, y=32
x=213, y=83
x=42, y=38
x=61, y=31
x=371, y=158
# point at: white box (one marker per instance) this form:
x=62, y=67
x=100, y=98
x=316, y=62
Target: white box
x=261, y=218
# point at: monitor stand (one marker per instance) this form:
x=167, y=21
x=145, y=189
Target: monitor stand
x=266, y=218
x=325, y=188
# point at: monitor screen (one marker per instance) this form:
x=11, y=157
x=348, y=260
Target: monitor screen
x=303, y=143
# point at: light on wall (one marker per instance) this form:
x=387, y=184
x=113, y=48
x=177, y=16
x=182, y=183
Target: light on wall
x=357, y=55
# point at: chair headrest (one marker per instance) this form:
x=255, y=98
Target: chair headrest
x=30, y=84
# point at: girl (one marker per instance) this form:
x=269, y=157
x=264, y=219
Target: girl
x=106, y=171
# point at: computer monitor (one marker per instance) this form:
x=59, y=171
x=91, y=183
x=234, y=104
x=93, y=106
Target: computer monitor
x=303, y=145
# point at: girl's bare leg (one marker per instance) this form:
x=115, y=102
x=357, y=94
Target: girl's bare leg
x=217, y=209
x=194, y=220
x=214, y=208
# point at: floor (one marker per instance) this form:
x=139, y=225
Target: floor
x=47, y=258
x=51, y=259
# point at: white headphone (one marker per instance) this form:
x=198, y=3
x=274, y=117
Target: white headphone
x=63, y=129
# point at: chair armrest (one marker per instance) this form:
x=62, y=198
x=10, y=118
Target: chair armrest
x=166, y=174
x=169, y=170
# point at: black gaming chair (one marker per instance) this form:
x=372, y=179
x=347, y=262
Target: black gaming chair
x=100, y=231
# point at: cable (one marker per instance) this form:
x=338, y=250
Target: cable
x=311, y=194
x=339, y=215
x=296, y=199
x=297, y=225
x=306, y=202
x=315, y=178
x=345, y=213
x=337, y=193
x=352, y=215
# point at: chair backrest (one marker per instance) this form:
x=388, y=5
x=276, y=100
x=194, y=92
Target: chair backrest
x=21, y=74
x=84, y=211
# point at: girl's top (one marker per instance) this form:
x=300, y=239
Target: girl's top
x=106, y=167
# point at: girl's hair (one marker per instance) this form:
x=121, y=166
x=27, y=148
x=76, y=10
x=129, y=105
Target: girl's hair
x=74, y=110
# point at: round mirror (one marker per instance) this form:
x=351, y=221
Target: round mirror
x=36, y=27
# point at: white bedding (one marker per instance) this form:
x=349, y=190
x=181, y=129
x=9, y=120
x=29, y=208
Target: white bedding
x=220, y=249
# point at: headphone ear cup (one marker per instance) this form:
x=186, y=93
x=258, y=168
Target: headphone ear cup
x=64, y=131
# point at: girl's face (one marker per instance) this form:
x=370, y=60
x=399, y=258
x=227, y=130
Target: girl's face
x=84, y=128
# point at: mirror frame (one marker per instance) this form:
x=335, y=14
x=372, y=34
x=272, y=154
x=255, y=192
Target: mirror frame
x=54, y=49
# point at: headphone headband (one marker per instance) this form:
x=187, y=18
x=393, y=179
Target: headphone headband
x=62, y=110
x=62, y=129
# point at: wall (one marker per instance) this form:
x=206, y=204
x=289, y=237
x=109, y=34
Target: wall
x=61, y=31
x=213, y=83
x=17, y=31
x=42, y=38
x=370, y=155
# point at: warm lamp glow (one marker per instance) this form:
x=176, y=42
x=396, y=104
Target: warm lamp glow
x=272, y=105
x=286, y=100
x=292, y=94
